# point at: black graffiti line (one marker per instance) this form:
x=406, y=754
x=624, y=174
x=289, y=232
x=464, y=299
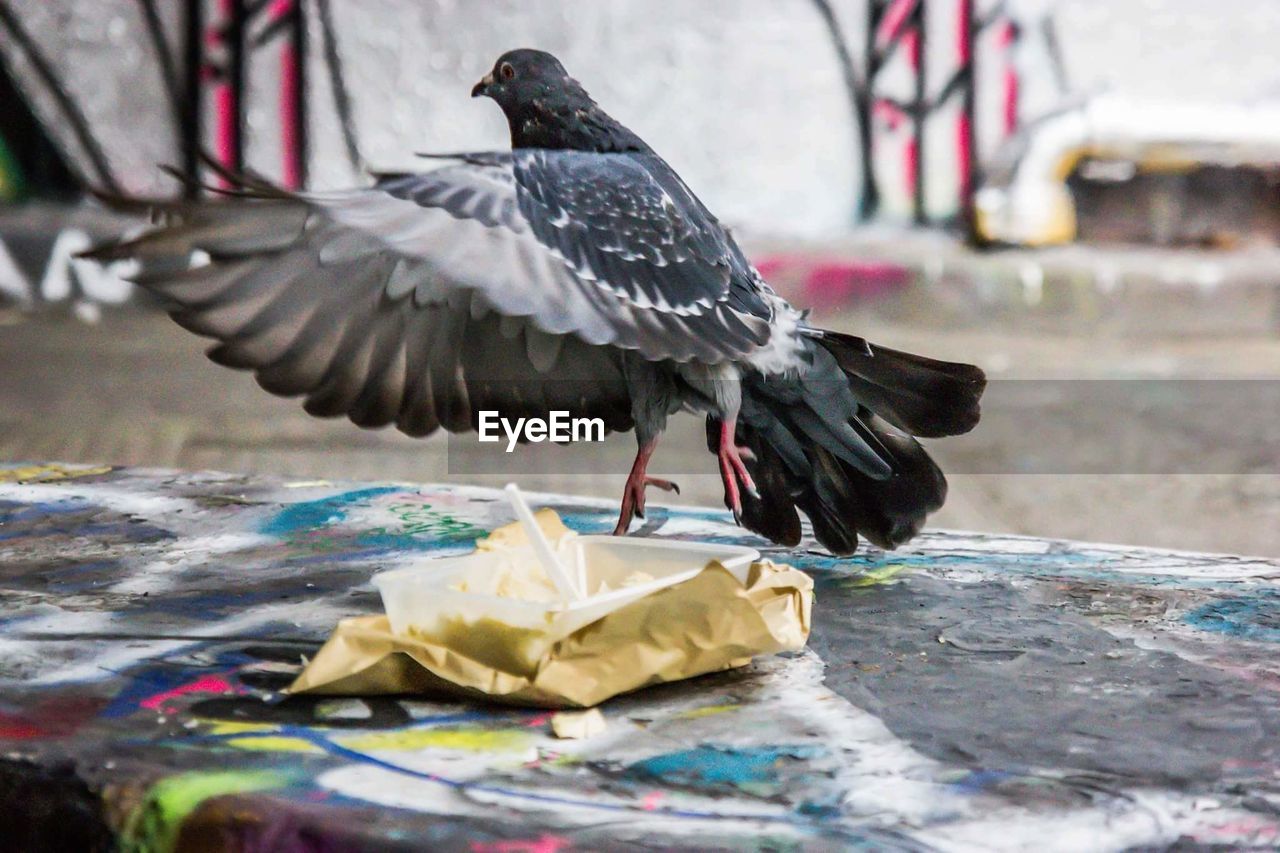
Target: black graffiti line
x=341, y=98
x=79, y=125
x=164, y=56
x=859, y=94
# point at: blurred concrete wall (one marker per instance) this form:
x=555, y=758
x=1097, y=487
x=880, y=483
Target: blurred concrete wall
x=744, y=97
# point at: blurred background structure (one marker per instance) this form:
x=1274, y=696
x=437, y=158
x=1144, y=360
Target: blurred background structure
x=1083, y=190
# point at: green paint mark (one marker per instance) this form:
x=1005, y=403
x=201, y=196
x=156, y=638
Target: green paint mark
x=153, y=826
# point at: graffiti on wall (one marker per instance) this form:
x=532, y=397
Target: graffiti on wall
x=268, y=85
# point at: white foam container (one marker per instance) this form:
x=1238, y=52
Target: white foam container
x=419, y=599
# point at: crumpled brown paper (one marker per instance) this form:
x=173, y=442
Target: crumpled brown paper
x=708, y=623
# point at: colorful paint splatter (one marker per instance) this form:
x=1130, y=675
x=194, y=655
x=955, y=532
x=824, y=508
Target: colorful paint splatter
x=965, y=692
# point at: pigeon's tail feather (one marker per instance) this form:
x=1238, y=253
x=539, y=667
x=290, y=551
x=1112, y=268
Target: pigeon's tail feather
x=840, y=446
x=926, y=397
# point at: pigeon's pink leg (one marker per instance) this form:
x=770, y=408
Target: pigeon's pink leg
x=633, y=492
x=733, y=468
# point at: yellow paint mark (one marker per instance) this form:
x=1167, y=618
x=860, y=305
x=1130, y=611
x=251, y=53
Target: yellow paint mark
x=235, y=727
x=1068, y=161
x=707, y=711
x=266, y=740
x=273, y=743
x=467, y=740
x=49, y=473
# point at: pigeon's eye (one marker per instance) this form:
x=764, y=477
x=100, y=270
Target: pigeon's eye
x=506, y=71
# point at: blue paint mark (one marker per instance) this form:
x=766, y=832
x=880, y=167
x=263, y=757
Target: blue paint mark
x=308, y=524
x=37, y=511
x=711, y=765
x=45, y=519
x=977, y=781
x=310, y=515
x=81, y=577
x=1256, y=618
x=206, y=604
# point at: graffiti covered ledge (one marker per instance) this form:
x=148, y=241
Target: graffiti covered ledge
x=1053, y=692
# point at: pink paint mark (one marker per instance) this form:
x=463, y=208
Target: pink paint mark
x=224, y=103
x=539, y=721
x=290, y=81
x=1010, y=101
x=1007, y=38
x=964, y=127
x=289, y=123
x=964, y=153
x=542, y=844
x=895, y=18
x=964, y=37
x=1007, y=35
x=913, y=43
x=911, y=164
x=205, y=684
x=650, y=801
x=225, y=107
x=837, y=283
x=889, y=113
x=825, y=282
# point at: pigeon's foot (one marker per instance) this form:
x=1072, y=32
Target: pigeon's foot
x=633, y=499
x=633, y=492
x=733, y=469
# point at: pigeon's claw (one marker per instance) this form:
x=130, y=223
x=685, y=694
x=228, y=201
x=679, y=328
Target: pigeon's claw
x=633, y=491
x=733, y=469
x=665, y=485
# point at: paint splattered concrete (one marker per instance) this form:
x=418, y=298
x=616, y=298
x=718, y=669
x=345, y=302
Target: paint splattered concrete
x=964, y=692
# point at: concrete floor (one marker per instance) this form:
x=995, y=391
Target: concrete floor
x=134, y=389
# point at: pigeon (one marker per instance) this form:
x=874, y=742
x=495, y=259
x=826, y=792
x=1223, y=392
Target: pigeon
x=575, y=272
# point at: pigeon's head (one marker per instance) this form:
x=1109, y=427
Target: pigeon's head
x=521, y=76
x=546, y=108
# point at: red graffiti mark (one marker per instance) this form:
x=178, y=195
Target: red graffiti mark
x=911, y=164
x=914, y=47
x=290, y=90
x=540, y=720
x=1008, y=39
x=51, y=718
x=964, y=154
x=542, y=844
x=834, y=282
x=890, y=113
x=13, y=727
x=652, y=800
x=205, y=684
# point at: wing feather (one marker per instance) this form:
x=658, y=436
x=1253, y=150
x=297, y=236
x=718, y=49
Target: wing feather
x=386, y=304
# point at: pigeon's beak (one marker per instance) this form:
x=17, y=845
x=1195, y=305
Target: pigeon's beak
x=482, y=88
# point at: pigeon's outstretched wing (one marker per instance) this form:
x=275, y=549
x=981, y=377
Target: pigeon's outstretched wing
x=419, y=302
